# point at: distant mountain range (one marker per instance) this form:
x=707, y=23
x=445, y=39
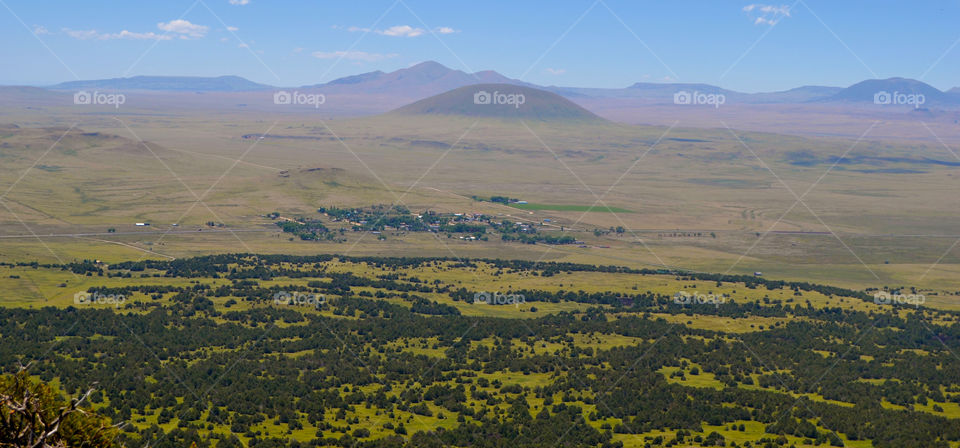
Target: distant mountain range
x=431, y=78
x=423, y=79
x=894, y=87
x=168, y=83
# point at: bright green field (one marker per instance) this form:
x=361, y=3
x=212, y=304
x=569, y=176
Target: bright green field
x=571, y=208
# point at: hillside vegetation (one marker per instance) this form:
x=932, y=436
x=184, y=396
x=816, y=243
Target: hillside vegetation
x=279, y=350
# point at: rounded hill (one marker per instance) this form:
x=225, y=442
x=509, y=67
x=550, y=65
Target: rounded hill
x=506, y=101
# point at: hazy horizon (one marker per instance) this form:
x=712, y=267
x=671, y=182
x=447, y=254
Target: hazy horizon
x=25, y=84
x=747, y=47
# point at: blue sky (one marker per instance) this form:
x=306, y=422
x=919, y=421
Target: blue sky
x=611, y=43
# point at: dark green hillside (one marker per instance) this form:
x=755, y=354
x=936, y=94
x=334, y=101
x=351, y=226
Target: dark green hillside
x=276, y=350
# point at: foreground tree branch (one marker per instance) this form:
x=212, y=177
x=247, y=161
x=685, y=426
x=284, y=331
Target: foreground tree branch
x=34, y=415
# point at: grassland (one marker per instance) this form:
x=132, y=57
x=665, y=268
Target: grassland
x=855, y=228
x=887, y=230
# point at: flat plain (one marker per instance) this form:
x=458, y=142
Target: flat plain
x=858, y=213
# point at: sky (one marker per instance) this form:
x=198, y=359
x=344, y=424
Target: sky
x=738, y=45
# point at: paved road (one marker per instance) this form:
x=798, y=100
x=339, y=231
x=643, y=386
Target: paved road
x=568, y=229
x=142, y=232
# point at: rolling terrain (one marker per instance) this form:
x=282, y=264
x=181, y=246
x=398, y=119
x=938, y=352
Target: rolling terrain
x=427, y=224
x=491, y=266
x=718, y=200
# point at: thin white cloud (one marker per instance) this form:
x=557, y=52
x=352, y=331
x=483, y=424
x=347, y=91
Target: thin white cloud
x=353, y=55
x=96, y=35
x=240, y=2
x=243, y=46
x=81, y=34
x=183, y=28
x=766, y=14
x=556, y=71
x=132, y=35
x=40, y=29
x=769, y=9
x=398, y=30
x=174, y=28
x=232, y=28
x=402, y=31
